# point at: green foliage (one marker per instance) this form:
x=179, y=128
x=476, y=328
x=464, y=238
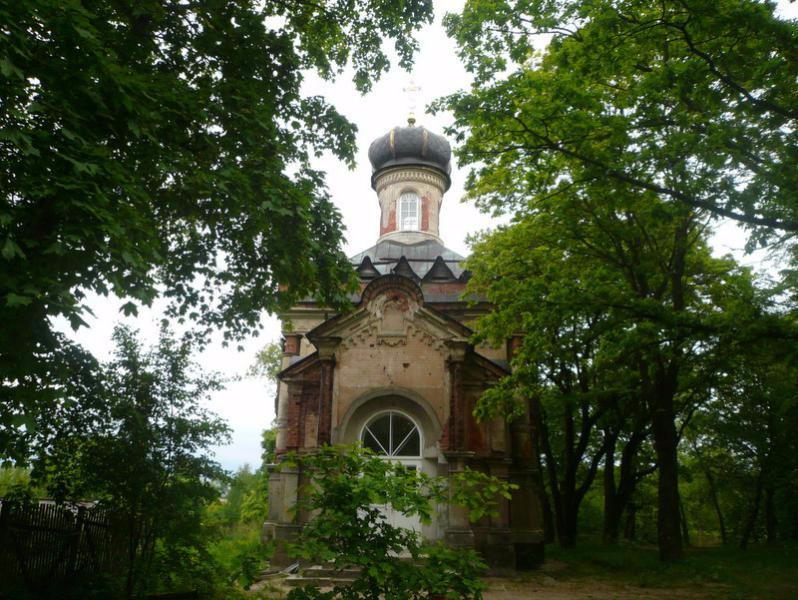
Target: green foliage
x=613, y=149
x=164, y=148
x=238, y=554
x=692, y=101
x=347, y=488
x=267, y=362
x=614, y=330
x=143, y=454
x=269, y=444
x=244, y=499
x=743, y=449
x=766, y=572
x=235, y=520
x=15, y=482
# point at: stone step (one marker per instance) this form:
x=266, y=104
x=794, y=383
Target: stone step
x=323, y=576
x=331, y=571
x=319, y=582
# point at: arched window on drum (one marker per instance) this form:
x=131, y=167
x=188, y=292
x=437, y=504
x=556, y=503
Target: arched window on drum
x=408, y=211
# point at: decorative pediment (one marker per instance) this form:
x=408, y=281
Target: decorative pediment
x=391, y=313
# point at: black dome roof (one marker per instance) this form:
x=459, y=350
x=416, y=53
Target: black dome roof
x=403, y=146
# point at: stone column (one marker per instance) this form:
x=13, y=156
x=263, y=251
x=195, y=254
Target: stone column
x=291, y=344
x=281, y=526
x=458, y=530
x=325, y=399
x=326, y=348
x=526, y=516
x=458, y=419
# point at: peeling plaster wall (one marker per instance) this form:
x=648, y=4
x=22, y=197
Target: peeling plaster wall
x=364, y=364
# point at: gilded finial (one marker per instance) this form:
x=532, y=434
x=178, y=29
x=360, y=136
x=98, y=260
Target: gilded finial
x=412, y=91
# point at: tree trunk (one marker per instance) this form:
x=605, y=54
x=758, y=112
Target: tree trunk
x=751, y=522
x=612, y=522
x=629, y=531
x=549, y=528
x=713, y=494
x=770, y=515
x=669, y=535
x=567, y=493
x=617, y=499
x=612, y=505
x=612, y=512
x=683, y=519
x=569, y=527
x=662, y=392
x=561, y=495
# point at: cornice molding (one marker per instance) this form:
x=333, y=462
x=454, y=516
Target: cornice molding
x=405, y=174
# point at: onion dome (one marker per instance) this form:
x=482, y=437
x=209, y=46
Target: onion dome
x=411, y=146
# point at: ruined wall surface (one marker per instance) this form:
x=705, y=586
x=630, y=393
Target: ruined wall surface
x=414, y=361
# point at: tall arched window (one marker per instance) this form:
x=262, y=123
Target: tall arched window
x=408, y=211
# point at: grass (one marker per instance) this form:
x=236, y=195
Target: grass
x=759, y=572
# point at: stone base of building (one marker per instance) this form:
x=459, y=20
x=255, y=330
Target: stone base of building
x=529, y=556
x=505, y=550
x=280, y=534
x=459, y=538
x=502, y=550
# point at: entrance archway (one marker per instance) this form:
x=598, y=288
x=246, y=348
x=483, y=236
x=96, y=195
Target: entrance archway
x=397, y=438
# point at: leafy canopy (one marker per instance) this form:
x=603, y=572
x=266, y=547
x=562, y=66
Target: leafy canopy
x=143, y=451
x=695, y=101
x=163, y=148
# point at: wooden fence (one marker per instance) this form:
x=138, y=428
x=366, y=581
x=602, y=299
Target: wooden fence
x=44, y=544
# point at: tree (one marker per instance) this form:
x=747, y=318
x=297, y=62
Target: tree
x=267, y=362
x=638, y=122
x=747, y=430
x=695, y=101
x=163, y=148
x=555, y=366
x=346, y=491
x=143, y=454
x=616, y=293
x=626, y=429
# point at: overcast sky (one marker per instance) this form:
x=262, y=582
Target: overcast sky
x=247, y=404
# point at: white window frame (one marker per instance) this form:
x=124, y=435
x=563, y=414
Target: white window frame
x=409, y=209
x=390, y=454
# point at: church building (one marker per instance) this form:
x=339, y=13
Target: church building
x=398, y=372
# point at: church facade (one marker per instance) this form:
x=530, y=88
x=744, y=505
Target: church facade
x=398, y=372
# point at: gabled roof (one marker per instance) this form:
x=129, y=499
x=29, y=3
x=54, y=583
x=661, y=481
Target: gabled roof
x=404, y=269
x=299, y=366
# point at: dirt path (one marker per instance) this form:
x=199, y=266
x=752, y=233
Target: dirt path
x=551, y=582
x=547, y=588
x=544, y=587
